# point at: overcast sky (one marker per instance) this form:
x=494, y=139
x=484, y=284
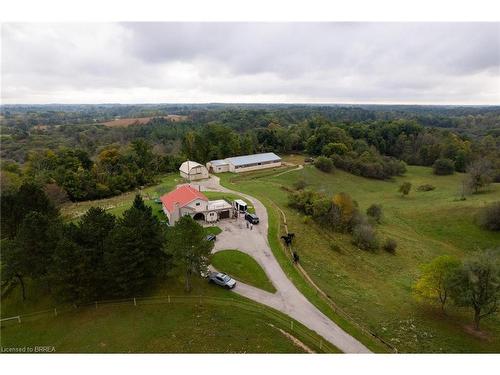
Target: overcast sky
x=444, y=63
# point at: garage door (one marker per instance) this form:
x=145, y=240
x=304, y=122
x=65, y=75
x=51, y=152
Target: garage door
x=224, y=215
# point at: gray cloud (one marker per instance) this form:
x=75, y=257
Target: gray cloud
x=255, y=62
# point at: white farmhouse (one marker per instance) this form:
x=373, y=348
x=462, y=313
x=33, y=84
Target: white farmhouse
x=245, y=163
x=191, y=171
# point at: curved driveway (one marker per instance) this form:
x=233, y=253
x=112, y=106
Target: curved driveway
x=287, y=299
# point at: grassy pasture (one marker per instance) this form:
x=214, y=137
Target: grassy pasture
x=187, y=325
x=243, y=268
x=375, y=289
x=116, y=205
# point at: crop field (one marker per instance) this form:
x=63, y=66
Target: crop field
x=138, y=121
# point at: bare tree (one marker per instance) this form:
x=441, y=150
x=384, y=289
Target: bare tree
x=479, y=175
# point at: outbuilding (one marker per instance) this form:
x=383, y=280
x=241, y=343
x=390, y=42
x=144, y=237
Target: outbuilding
x=245, y=163
x=218, y=166
x=191, y=171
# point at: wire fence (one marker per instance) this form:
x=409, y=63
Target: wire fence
x=308, y=338
x=322, y=293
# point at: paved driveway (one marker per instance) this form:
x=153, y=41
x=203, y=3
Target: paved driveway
x=287, y=299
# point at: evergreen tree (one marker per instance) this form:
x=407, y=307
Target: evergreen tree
x=134, y=255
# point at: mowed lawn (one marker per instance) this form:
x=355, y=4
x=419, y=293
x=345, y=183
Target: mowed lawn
x=375, y=289
x=189, y=324
x=242, y=267
x=160, y=328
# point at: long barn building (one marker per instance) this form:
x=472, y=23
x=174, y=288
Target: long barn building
x=245, y=163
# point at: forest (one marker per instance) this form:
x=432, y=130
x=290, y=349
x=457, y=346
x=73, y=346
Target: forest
x=68, y=149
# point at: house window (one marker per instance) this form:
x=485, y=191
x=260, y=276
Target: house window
x=197, y=203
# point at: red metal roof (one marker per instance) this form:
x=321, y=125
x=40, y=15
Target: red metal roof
x=182, y=195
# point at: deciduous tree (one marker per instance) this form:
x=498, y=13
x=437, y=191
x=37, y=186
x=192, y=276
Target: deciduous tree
x=187, y=244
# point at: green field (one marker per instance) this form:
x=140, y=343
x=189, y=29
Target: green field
x=218, y=322
x=375, y=289
x=116, y=205
x=243, y=268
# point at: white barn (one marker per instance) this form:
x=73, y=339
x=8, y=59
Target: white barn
x=218, y=166
x=191, y=170
x=245, y=163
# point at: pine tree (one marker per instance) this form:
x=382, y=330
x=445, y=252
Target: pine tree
x=134, y=251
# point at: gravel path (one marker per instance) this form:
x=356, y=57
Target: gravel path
x=287, y=299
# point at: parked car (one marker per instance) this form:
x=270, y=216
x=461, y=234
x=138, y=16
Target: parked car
x=252, y=218
x=211, y=237
x=221, y=279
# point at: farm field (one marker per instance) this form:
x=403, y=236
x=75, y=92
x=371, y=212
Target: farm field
x=375, y=289
x=137, y=121
x=242, y=267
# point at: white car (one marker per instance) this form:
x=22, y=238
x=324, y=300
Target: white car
x=222, y=279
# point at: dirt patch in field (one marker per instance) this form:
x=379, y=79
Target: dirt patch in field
x=482, y=335
x=123, y=122
x=294, y=340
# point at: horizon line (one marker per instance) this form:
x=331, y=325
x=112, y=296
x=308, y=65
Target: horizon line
x=259, y=103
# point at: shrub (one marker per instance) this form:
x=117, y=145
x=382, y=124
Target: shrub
x=375, y=212
x=489, y=217
x=335, y=247
x=443, y=167
x=363, y=236
x=324, y=164
x=300, y=184
x=405, y=188
x=390, y=245
x=426, y=187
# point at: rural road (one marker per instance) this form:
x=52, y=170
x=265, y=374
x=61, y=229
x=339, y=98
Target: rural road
x=287, y=299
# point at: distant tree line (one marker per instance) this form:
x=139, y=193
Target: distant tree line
x=371, y=142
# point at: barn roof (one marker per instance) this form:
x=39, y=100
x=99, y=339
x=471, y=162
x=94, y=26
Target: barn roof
x=183, y=195
x=218, y=162
x=253, y=159
x=188, y=165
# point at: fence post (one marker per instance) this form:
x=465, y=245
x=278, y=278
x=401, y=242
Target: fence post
x=19, y=318
x=55, y=311
x=135, y=302
x=169, y=299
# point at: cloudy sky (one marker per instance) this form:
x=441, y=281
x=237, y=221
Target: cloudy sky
x=441, y=63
